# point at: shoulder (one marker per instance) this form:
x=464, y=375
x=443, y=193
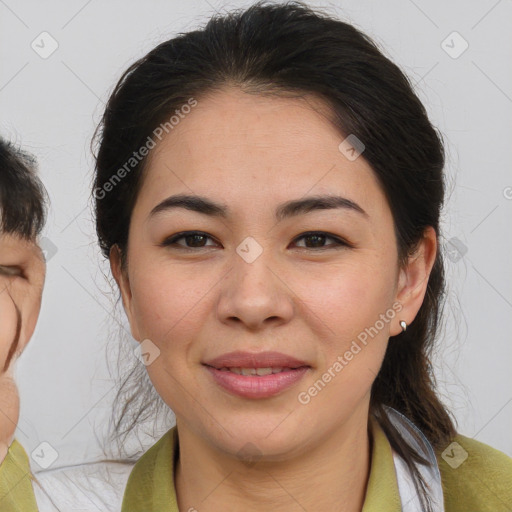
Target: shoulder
x=475, y=476
x=16, y=491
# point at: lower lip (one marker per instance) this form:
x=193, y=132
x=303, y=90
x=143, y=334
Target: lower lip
x=253, y=386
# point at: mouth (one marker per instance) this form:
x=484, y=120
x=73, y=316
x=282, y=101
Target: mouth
x=255, y=360
x=260, y=372
x=256, y=375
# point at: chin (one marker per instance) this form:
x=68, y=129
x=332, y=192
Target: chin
x=259, y=439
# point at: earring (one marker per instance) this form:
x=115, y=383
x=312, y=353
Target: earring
x=403, y=325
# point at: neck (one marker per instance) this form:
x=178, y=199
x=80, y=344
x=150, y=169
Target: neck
x=329, y=476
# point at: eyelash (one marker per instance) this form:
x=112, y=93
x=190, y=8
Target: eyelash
x=339, y=242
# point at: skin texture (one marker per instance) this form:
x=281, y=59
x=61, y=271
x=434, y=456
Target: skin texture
x=305, y=299
x=22, y=273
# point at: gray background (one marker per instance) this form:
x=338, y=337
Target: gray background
x=51, y=105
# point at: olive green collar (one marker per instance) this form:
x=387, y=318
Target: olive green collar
x=382, y=493
x=16, y=492
x=150, y=487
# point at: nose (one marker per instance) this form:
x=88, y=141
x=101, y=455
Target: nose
x=255, y=294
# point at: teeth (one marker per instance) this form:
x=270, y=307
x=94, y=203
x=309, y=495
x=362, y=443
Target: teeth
x=255, y=371
x=264, y=371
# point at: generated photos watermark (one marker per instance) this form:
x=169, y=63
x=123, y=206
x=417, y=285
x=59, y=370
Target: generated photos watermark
x=150, y=143
x=304, y=397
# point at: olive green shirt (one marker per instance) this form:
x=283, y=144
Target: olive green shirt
x=480, y=482
x=16, y=492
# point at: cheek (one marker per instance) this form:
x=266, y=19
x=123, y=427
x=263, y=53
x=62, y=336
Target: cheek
x=9, y=405
x=28, y=299
x=167, y=304
x=349, y=297
x=350, y=303
x=8, y=320
x=29, y=318
x=170, y=309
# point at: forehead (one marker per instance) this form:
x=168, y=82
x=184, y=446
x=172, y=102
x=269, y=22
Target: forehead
x=17, y=247
x=234, y=145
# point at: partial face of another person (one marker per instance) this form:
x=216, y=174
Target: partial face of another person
x=264, y=275
x=22, y=273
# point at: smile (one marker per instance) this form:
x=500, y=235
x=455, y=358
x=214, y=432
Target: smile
x=255, y=371
x=256, y=383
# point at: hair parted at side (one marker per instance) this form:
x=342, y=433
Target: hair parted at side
x=286, y=49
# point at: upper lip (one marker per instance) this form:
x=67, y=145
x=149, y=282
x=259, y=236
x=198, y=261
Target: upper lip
x=239, y=359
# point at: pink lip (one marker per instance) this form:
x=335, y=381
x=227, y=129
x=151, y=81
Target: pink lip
x=254, y=386
x=240, y=359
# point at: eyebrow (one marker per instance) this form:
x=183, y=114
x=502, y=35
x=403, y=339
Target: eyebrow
x=285, y=210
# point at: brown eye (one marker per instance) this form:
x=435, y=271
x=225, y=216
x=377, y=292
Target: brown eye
x=198, y=240
x=193, y=239
x=10, y=271
x=317, y=239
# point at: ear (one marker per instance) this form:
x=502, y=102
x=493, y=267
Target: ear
x=121, y=277
x=413, y=279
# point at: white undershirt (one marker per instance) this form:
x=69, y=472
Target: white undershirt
x=94, y=487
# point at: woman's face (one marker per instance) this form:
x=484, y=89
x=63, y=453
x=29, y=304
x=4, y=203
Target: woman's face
x=22, y=272
x=252, y=282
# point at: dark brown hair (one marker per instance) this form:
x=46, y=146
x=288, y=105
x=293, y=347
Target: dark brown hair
x=23, y=197
x=285, y=49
